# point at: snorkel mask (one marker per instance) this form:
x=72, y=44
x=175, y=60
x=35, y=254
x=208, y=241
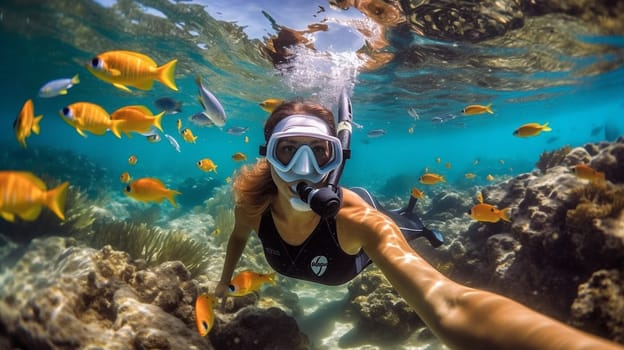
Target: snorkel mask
x=303, y=154
x=300, y=149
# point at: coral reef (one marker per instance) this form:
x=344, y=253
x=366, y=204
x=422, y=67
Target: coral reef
x=382, y=316
x=64, y=296
x=564, y=231
x=61, y=296
x=254, y=328
x=599, y=305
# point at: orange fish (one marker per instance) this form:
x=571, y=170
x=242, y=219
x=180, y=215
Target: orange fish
x=470, y=175
x=488, y=213
x=531, y=129
x=187, y=135
x=204, y=313
x=23, y=194
x=125, y=177
x=26, y=122
x=246, y=282
x=90, y=117
x=239, y=156
x=122, y=68
x=270, y=104
x=431, y=179
x=416, y=193
x=477, y=109
x=586, y=172
x=149, y=189
x=137, y=119
x=132, y=160
x=207, y=165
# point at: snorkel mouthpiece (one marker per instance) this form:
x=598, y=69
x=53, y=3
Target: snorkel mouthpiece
x=324, y=201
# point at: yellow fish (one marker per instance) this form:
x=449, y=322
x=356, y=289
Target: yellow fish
x=239, y=156
x=431, y=179
x=489, y=177
x=470, y=175
x=410, y=130
x=90, y=117
x=179, y=125
x=122, y=68
x=207, y=165
x=187, y=135
x=26, y=122
x=270, y=104
x=586, y=172
x=488, y=213
x=477, y=109
x=23, y=194
x=531, y=129
x=204, y=313
x=448, y=165
x=246, y=282
x=228, y=179
x=125, y=177
x=132, y=160
x=416, y=193
x=246, y=139
x=137, y=119
x=149, y=189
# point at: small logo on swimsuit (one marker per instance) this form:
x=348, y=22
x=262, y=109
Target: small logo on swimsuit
x=319, y=265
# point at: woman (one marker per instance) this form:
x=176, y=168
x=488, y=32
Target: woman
x=302, y=147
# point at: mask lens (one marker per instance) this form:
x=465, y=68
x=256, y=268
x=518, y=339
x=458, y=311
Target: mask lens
x=286, y=149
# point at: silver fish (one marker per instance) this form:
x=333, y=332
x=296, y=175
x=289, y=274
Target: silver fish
x=212, y=107
x=201, y=119
x=376, y=133
x=173, y=142
x=412, y=113
x=443, y=118
x=58, y=87
x=153, y=138
x=236, y=130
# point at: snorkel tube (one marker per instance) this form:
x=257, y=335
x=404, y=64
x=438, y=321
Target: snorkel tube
x=327, y=200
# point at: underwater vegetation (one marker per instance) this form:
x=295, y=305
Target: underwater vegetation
x=550, y=159
x=594, y=222
x=596, y=200
x=221, y=207
x=150, y=244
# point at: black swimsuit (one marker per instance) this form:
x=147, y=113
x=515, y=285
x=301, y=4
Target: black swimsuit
x=318, y=259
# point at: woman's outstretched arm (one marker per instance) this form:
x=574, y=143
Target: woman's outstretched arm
x=462, y=317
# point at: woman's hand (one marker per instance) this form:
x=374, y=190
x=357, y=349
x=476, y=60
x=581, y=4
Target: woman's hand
x=221, y=291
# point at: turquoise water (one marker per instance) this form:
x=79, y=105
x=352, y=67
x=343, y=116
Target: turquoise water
x=578, y=88
x=572, y=104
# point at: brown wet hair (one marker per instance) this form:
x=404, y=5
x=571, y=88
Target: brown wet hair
x=299, y=107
